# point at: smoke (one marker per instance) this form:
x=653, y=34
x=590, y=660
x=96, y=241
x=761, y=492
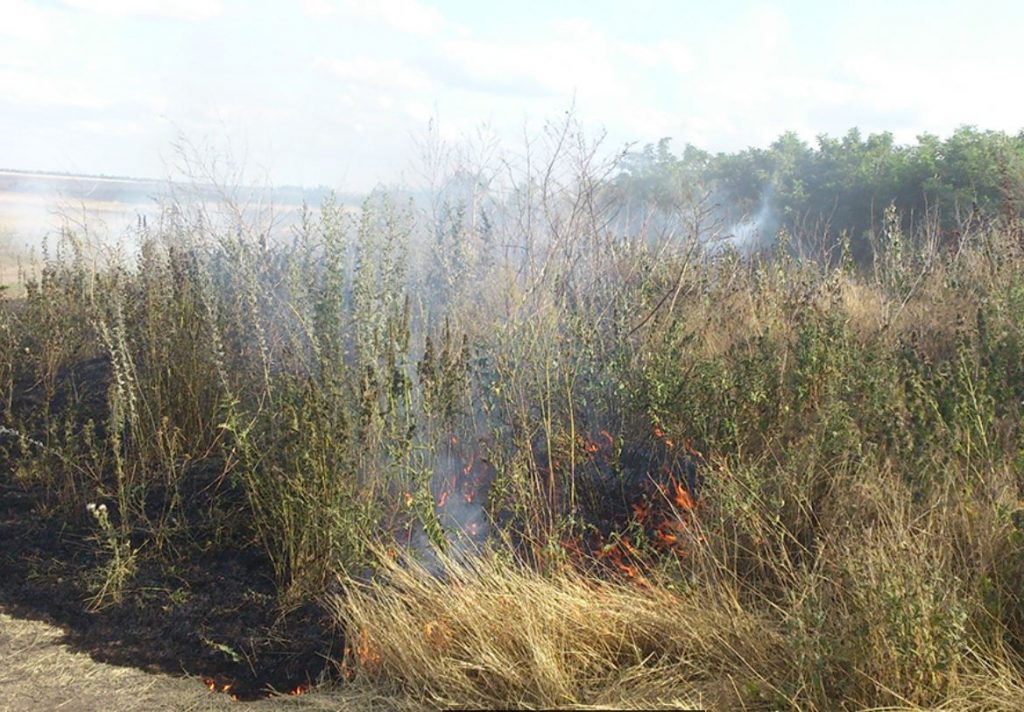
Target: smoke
x=34, y=206
x=460, y=486
x=752, y=232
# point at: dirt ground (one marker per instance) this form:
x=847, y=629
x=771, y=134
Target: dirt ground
x=39, y=672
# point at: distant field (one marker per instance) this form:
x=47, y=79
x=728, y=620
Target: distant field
x=34, y=205
x=29, y=216
x=26, y=218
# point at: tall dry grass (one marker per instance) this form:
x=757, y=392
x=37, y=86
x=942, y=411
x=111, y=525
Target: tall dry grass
x=858, y=536
x=492, y=634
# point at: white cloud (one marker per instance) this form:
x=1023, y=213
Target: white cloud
x=377, y=73
x=765, y=28
x=576, y=57
x=612, y=83
x=938, y=92
x=42, y=90
x=168, y=9
x=409, y=16
x=318, y=9
x=673, y=55
x=24, y=21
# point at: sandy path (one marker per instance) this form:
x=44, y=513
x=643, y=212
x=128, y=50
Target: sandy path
x=38, y=672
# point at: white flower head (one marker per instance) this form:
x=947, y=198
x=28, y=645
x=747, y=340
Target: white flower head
x=102, y=508
x=91, y=507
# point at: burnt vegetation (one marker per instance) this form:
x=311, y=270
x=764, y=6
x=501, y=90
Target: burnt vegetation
x=735, y=431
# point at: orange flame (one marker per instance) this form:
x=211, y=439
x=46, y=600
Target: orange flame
x=641, y=510
x=683, y=499
x=665, y=539
x=664, y=515
x=688, y=444
x=368, y=655
x=438, y=634
x=213, y=686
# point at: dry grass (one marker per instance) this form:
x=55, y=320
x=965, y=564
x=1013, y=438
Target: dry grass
x=903, y=604
x=497, y=635
x=861, y=535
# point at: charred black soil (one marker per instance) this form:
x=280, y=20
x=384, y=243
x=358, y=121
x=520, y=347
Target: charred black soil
x=195, y=607
x=212, y=614
x=204, y=602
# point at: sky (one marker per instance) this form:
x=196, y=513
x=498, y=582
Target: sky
x=341, y=92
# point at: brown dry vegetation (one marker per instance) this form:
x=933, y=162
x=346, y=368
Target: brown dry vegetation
x=857, y=539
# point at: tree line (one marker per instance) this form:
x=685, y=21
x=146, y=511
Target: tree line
x=819, y=191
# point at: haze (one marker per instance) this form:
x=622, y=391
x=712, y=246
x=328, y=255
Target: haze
x=335, y=92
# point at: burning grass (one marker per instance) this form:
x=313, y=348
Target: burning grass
x=888, y=609
x=524, y=459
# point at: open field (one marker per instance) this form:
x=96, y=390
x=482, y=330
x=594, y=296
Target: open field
x=515, y=450
x=104, y=211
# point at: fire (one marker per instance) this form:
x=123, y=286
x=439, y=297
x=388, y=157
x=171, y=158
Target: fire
x=469, y=481
x=660, y=434
x=437, y=634
x=617, y=553
x=213, y=686
x=299, y=690
x=641, y=511
x=623, y=556
x=665, y=539
x=366, y=652
x=660, y=520
x=681, y=496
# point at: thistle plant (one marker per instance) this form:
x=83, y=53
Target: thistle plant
x=111, y=577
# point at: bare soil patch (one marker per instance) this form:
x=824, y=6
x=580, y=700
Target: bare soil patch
x=212, y=615
x=39, y=671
